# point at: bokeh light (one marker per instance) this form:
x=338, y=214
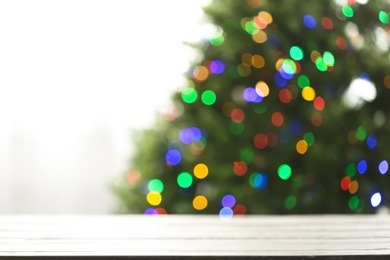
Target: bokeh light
x=319, y=103
x=216, y=67
x=383, y=167
x=189, y=95
x=308, y=93
x=303, y=81
x=208, y=97
x=200, y=202
x=237, y=115
x=184, y=180
x=239, y=210
x=228, y=201
x=302, y=146
x=362, y=166
x=262, y=89
x=371, y=142
x=285, y=96
x=240, y=168
x=376, y=199
x=226, y=213
x=277, y=119
x=290, y=202
x=296, y=53
x=154, y=198
x=327, y=23
x=258, y=61
x=345, y=183
x=156, y=185
x=173, y=157
x=201, y=171
x=261, y=141
x=329, y=59
x=309, y=21
x=347, y=10
x=200, y=73
x=258, y=180
x=309, y=138
x=284, y=171
x=383, y=17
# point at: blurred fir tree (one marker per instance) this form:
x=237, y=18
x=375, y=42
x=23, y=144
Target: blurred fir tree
x=287, y=112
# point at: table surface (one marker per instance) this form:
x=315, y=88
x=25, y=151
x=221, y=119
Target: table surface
x=196, y=237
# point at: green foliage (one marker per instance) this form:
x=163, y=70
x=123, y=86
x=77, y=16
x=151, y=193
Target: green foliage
x=264, y=116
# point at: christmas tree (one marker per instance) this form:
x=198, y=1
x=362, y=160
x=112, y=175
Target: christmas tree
x=286, y=112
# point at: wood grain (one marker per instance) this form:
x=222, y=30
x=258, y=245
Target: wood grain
x=199, y=237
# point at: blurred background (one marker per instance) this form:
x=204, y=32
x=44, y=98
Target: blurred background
x=104, y=109
x=75, y=79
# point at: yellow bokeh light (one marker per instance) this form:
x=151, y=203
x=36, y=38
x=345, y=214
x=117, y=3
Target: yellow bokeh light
x=200, y=73
x=255, y=3
x=201, y=171
x=227, y=108
x=353, y=188
x=154, y=198
x=258, y=61
x=387, y=81
x=244, y=21
x=266, y=16
x=279, y=64
x=246, y=58
x=200, y=202
x=302, y=146
x=308, y=93
x=262, y=89
x=260, y=37
x=314, y=55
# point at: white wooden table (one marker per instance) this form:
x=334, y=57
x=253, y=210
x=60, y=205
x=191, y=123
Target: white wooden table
x=194, y=237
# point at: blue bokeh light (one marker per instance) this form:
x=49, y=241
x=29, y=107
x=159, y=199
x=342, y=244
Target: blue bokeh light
x=362, y=166
x=226, y=213
x=228, y=201
x=309, y=21
x=173, y=157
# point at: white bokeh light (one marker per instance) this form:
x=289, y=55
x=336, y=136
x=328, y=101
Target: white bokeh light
x=359, y=91
x=376, y=199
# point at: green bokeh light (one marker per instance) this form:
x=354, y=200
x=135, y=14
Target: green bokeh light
x=156, y=185
x=383, y=17
x=246, y=155
x=284, y=171
x=361, y=133
x=260, y=108
x=184, y=180
x=290, y=202
x=233, y=72
x=251, y=28
x=217, y=40
x=309, y=138
x=329, y=59
x=209, y=97
x=321, y=65
x=189, y=95
x=351, y=170
x=347, y=10
x=289, y=66
x=297, y=182
x=236, y=128
x=296, y=53
x=303, y=81
x=354, y=202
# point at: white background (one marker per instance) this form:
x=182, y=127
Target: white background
x=75, y=77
